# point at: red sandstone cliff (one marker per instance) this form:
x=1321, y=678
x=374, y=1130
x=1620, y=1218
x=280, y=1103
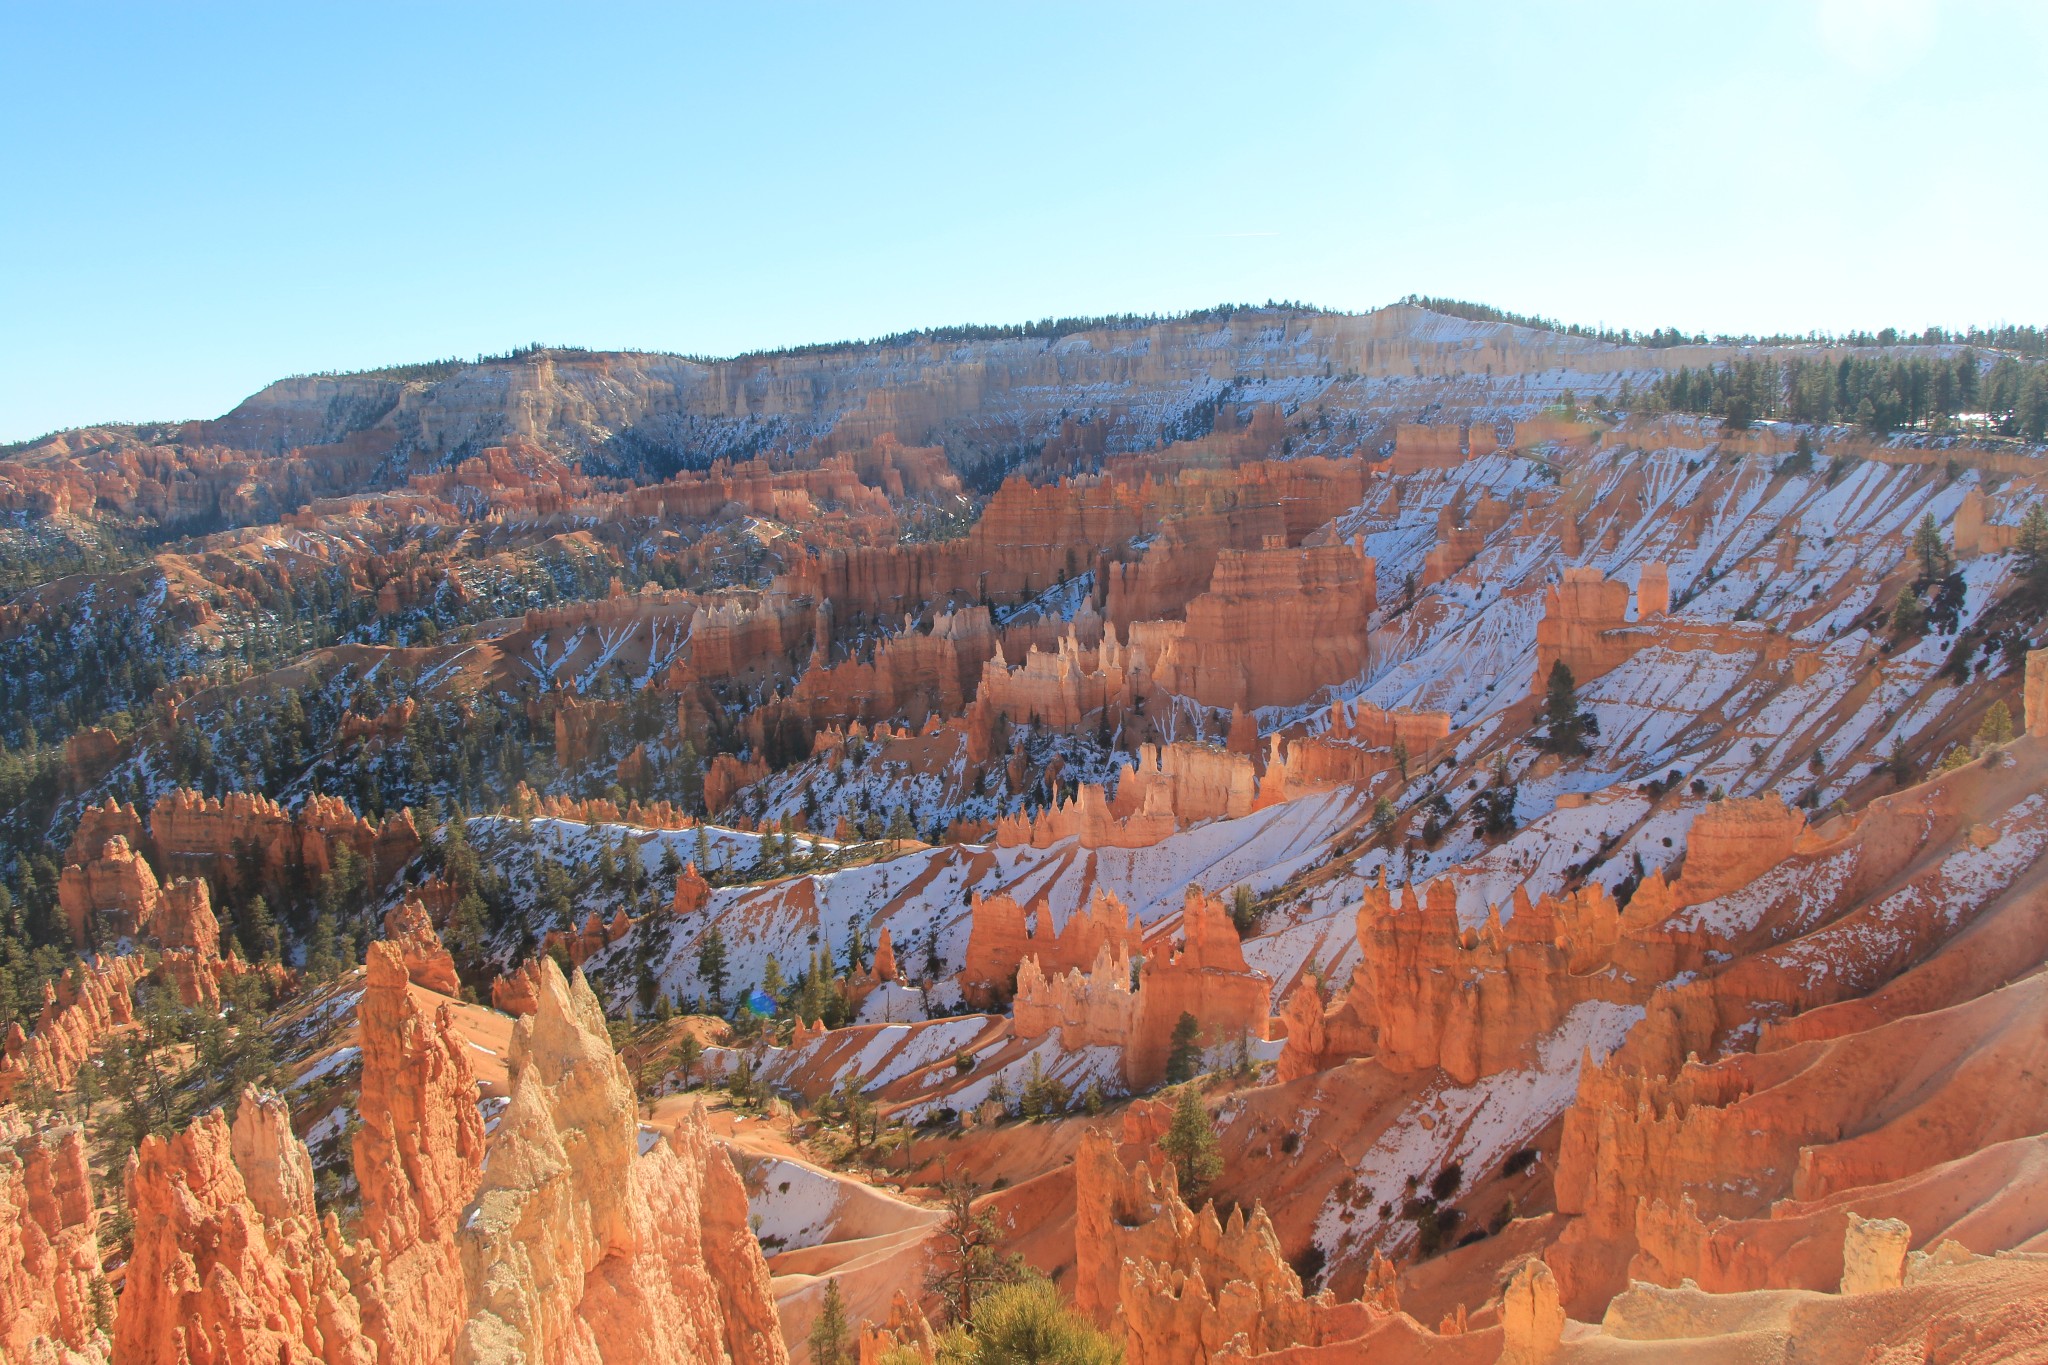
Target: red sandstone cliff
x=1205, y=976
x=1180, y=1287
x=1002, y=934
x=202, y=834
x=1276, y=625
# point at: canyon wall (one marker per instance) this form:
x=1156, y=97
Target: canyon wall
x=1732, y=843
x=1274, y=626
x=1003, y=934
x=912, y=676
x=1167, y=789
x=1028, y=539
x=1586, y=627
x=1461, y=534
x=1072, y=687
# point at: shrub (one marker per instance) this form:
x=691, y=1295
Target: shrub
x=1028, y=1324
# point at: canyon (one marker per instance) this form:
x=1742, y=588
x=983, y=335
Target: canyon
x=1320, y=836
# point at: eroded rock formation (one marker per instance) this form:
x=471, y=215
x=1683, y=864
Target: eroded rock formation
x=569, y=1244
x=410, y=929
x=1205, y=977
x=1179, y=1287
x=200, y=834
x=231, y=1262
x=1002, y=934
x=1734, y=842
x=115, y=895
x=51, y=1290
x=1276, y=625
x=692, y=892
x=418, y=1159
x=79, y=1011
x=578, y=1247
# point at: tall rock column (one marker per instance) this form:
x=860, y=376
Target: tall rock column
x=577, y=1247
x=418, y=1160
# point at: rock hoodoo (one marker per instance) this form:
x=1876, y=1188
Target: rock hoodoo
x=50, y=1283
x=418, y=1159
x=580, y=1248
x=1206, y=978
x=231, y=1261
x=410, y=929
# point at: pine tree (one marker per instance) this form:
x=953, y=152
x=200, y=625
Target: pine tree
x=85, y=1087
x=2033, y=550
x=1244, y=910
x=1933, y=553
x=1495, y=807
x=966, y=1257
x=1909, y=616
x=257, y=931
x=828, y=1332
x=554, y=889
x=1020, y=1323
x=345, y=887
x=711, y=964
x=1190, y=1143
x=689, y=1052
x=1184, y=1057
x=1997, y=726
x=323, y=956
x=466, y=923
x=1566, y=727
x=1899, y=763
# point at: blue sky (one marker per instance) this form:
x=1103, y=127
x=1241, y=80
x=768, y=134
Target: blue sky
x=197, y=199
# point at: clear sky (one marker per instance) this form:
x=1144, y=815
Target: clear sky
x=196, y=199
